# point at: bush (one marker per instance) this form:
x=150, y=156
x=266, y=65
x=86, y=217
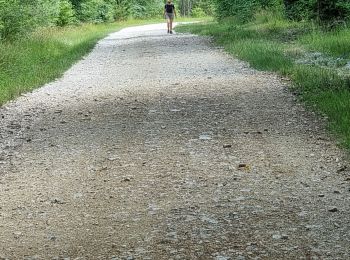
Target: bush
x=322, y=10
x=66, y=13
x=147, y=9
x=96, y=11
x=207, y=6
x=243, y=10
x=121, y=12
x=198, y=12
x=19, y=17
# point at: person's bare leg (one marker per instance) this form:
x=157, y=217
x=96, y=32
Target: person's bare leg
x=171, y=26
x=168, y=25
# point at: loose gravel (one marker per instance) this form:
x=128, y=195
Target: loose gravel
x=161, y=146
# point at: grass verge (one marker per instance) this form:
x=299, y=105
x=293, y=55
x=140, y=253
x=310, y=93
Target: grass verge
x=279, y=45
x=41, y=57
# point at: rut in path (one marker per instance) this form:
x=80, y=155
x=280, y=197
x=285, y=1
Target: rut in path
x=135, y=153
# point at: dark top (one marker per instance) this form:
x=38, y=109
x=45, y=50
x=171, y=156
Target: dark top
x=169, y=8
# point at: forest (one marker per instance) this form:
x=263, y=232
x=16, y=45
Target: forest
x=18, y=17
x=322, y=11
x=21, y=16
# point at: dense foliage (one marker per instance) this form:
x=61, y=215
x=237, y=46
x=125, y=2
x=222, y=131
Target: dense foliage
x=196, y=8
x=20, y=16
x=323, y=11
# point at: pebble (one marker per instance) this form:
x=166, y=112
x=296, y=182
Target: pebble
x=277, y=236
x=219, y=257
x=57, y=201
x=285, y=237
x=333, y=209
x=204, y=137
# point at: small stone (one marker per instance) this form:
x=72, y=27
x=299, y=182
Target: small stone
x=284, y=237
x=17, y=234
x=233, y=215
x=333, y=209
x=242, y=165
x=204, y=137
x=57, y=201
x=321, y=195
x=78, y=195
x=336, y=192
x=219, y=257
x=52, y=237
x=127, y=179
x=342, y=169
x=209, y=220
x=277, y=236
x=227, y=145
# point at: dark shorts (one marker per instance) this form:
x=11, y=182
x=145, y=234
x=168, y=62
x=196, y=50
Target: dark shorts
x=169, y=16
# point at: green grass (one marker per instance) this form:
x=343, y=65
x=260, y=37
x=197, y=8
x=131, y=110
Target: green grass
x=274, y=45
x=41, y=57
x=335, y=43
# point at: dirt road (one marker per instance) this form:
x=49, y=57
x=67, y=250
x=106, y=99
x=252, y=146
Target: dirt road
x=161, y=146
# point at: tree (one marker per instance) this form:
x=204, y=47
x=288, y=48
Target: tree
x=320, y=10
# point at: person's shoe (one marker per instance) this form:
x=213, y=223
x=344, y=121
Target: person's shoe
x=168, y=31
x=171, y=32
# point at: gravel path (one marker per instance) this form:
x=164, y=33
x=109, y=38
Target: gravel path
x=163, y=147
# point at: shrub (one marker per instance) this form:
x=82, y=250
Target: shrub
x=96, y=11
x=198, y=12
x=19, y=17
x=147, y=9
x=207, y=6
x=121, y=12
x=66, y=13
x=322, y=10
x=243, y=10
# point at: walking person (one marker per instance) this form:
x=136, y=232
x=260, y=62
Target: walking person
x=169, y=13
